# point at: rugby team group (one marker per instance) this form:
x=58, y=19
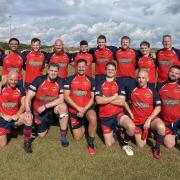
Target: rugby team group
x=135, y=94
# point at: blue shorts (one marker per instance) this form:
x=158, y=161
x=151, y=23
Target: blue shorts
x=5, y=126
x=128, y=83
x=173, y=128
x=41, y=120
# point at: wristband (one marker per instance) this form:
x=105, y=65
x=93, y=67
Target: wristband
x=28, y=111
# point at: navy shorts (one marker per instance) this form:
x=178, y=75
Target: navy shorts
x=5, y=126
x=41, y=120
x=173, y=128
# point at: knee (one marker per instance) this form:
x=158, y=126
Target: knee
x=161, y=128
x=77, y=138
x=169, y=145
x=131, y=127
x=41, y=135
x=140, y=145
x=3, y=144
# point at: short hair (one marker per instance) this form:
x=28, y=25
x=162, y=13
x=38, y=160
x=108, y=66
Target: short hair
x=35, y=40
x=146, y=43
x=175, y=67
x=167, y=35
x=110, y=63
x=125, y=37
x=53, y=64
x=83, y=42
x=101, y=37
x=14, y=39
x=82, y=60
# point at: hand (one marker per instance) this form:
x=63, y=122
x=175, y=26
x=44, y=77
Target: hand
x=131, y=115
x=28, y=116
x=147, y=123
x=40, y=109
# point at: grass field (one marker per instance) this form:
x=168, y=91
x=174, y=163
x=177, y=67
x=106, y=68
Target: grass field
x=51, y=161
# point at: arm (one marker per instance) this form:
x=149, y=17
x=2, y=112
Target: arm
x=51, y=104
x=119, y=101
x=105, y=100
x=155, y=112
x=127, y=108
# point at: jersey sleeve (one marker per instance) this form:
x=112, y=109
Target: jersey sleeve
x=93, y=84
x=67, y=83
x=98, y=91
x=48, y=57
x=24, y=55
x=177, y=51
x=45, y=57
x=60, y=81
x=22, y=90
x=35, y=84
x=156, y=98
x=1, y=56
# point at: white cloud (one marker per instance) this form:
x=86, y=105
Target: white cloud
x=74, y=20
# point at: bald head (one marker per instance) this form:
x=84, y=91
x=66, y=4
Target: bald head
x=59, y=46
x=142, y=78
x=12, y=79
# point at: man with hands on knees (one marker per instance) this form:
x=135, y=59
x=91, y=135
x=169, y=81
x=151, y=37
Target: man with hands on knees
x=46, y=94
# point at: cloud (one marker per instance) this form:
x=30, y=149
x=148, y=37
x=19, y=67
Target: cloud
x=74, y=20
x=173, y=8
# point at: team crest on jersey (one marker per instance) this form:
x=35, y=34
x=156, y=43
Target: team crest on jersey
x=85, y=83
x=113, y=87
x=165, y=90
x=16, y=94
x=147, y=95
x=54, y=88
x=149, y=62
x=176, y=90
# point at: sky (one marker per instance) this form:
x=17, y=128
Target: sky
x=75, y=20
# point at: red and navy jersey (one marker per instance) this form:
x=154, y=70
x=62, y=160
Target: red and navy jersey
x=88, y=57
x=15, y=62
x=126, y=62
x=101, y=57
x=170, y=97
x=63, y=60
x=147, y=63
x=10, y=99
x=34, y=64
x=46, y=91
x=166, y=59
x=80, y=88
x=142, y=103
x=107, y=89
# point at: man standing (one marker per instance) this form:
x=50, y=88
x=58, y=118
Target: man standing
x=60, y=57
x=34, y=61
x=126, y=64
x=102, y=55
x=47, y=92
x=83, y=54
x=166, y=57
x=11, y=111
x=12, y=62
x=111, y=97
x=170, y=111
x=79, y=94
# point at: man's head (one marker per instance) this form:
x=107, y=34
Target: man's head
x=59, y=46
x=52, y=71
x=101, y=41
x=145, y=48
x=35, y=44
x=174, y=73
x=14, y=44
x=84, y=46
x=12, y=79
x=110, y=70
x=142, y=78
x=125, y=42
x=81, y=66
x=167, y=41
